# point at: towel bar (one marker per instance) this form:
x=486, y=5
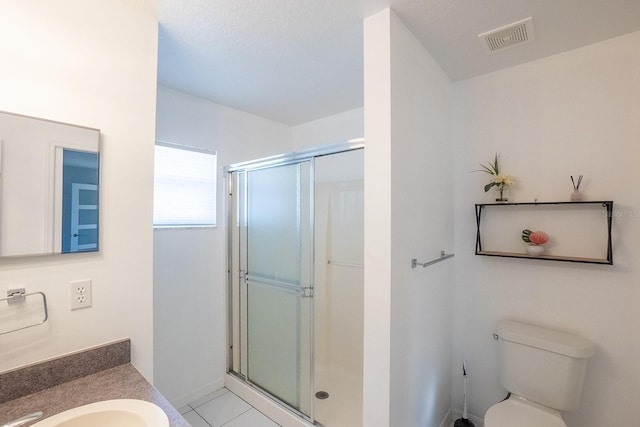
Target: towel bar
x=443, y=256
x=345, y=264
x=18, y=296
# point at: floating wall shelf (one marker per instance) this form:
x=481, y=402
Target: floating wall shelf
x=607, y=206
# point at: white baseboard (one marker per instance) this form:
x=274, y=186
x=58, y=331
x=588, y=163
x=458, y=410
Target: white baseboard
x=477, y=421
x=185, y=399
x=446, y=421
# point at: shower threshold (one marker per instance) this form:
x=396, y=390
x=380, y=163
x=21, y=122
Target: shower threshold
x=263, y=402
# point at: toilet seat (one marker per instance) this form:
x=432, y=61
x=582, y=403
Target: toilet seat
x=517, y=411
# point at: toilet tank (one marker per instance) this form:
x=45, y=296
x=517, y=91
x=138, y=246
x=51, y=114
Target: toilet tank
x=542, y=365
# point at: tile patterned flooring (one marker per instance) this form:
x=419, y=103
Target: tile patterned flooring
x=224, y=409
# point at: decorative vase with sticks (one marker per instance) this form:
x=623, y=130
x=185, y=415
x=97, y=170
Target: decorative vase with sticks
x=576, y=196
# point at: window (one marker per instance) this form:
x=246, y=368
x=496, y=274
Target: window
x=184, y=186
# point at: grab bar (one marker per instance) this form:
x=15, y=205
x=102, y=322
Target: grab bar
x=17, y=296
x=443, y=256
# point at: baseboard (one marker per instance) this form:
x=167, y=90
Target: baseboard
x=185, y=399
x=446, y=421
x=477, y=421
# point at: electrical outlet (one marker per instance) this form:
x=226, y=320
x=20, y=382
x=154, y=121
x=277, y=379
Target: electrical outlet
x=80, y=294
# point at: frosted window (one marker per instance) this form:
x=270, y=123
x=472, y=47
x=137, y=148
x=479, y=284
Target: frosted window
x=184, y=187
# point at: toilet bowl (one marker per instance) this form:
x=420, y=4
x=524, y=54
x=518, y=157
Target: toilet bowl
x=519, y=412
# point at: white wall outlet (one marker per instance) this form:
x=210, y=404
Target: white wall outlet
x=80, y=294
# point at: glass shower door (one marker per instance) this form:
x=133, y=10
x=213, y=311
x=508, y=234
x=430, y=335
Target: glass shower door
x=278, y=281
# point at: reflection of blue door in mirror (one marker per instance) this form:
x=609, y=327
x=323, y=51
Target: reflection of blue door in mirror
x=79, y=201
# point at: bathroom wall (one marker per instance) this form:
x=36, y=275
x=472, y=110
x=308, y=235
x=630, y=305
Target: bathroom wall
x=189, y=264
x=64, y=61
x=408, y=205
x=569, y=114
x=377, y=222
x=335, y=129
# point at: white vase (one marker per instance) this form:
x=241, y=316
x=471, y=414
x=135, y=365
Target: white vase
x=535, y=250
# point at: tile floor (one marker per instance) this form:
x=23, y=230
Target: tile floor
x=223, y=408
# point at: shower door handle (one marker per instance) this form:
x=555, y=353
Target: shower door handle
x=292, y=288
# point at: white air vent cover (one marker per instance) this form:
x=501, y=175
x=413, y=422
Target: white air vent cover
x=510, y=35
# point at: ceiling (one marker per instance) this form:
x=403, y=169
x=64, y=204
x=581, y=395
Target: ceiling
x=294, y=61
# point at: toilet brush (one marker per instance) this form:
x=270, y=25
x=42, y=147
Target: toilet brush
x=464, y=421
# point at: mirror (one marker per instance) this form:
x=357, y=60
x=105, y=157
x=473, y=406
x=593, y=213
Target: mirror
x=49, y=180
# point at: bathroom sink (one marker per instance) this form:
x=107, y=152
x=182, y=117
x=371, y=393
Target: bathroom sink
x=110, y=413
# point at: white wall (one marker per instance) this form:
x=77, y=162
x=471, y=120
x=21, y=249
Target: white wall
x=408, y=214
x=189, y=264
x=573, y=113
x=336, y=129
x=377, y=221
x=422, y=226
x=63, y=61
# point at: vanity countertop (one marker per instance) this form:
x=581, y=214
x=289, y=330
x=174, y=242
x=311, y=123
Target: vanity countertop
x=120, y=382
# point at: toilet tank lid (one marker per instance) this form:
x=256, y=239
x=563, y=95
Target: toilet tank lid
x=547, y=339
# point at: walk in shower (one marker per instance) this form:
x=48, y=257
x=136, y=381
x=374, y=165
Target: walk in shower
x=295, y=229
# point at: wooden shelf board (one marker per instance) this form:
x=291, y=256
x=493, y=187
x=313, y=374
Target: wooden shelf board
x=547, y=257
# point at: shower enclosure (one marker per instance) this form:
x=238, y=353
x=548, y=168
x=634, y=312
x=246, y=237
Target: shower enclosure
x=295, y=229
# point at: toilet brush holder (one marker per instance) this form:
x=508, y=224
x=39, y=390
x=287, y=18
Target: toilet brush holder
x=464, y=421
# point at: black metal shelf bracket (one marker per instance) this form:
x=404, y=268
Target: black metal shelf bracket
x=607, y=204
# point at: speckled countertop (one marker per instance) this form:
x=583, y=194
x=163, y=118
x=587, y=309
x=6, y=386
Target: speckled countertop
x=120, y=382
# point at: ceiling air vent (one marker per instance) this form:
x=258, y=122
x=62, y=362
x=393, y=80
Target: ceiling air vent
x=510, y=35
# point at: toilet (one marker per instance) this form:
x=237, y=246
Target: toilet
x=543, y=369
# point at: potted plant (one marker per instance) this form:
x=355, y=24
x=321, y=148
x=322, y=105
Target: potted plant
x=500, y=181
x=535, y=240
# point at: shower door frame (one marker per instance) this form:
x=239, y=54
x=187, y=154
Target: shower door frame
x=263, y=163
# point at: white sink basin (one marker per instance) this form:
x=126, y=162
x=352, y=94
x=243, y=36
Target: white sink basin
x=110, y=413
